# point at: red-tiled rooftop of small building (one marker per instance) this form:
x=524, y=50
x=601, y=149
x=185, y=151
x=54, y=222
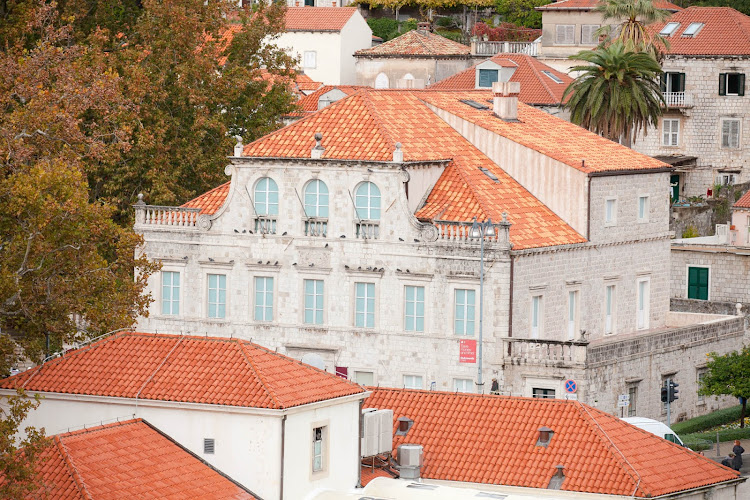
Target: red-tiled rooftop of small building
x=125, y=460
x=493, y=440
x=591, y=4
x=304, y=82
x=743, y=202
x=309, y=103
x=206, y=370
x=417, y=43
x=725, y=32
x=318, y=18
x=536, y=86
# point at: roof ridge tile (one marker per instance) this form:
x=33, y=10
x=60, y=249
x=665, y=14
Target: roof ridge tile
x=71, y=468
x=256, y=370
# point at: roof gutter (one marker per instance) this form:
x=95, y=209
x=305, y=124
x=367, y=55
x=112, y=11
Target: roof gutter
x=612, y=173
x=681, y=493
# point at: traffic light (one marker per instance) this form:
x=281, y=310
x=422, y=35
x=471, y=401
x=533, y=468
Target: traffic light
x=664, y=393
x=673, y=391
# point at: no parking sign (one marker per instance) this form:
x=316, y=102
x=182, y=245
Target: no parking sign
x=570, y=386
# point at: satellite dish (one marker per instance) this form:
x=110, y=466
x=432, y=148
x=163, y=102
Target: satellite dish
x=314, y=360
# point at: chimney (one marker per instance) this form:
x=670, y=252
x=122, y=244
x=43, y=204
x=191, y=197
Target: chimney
x=423, y=27
x=398, y=154
x=545, y=436
x=555, y=483
x=318, y=150
x=505, y=100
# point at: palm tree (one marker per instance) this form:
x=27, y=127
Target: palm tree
x=617, y=93
x=633, y=17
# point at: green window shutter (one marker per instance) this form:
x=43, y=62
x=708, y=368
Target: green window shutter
x=742, y=84
x=698, y=283
x=682, y=82
x=692, y=282
x=703, y=283
x=722, y=84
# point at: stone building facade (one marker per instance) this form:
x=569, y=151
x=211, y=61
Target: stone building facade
x=353, y=248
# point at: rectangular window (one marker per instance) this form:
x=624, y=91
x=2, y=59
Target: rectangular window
x=541, y=393
x=643, y=209
x=414, y=308
x=364, y=305
x=698, y=283
x=565, y=34
x=364, y=378
x=310, y=59
x=642, y=304
x=536, y=316
x=572, y=314
x=610, y=212
x=313, y=302
x=730, y=133
x=609, y=309
x=633, y=393
x=672, y=82
x=463, y=385
x=487, y=77
x=670, y=132
x=217, y=295
x=701, y=374
x=317, y=449
x=263, y=299
x=170, y=293
x=464, y=312
x=732, y=84
x=588, y=34
x=668, y=29
x=413, y=382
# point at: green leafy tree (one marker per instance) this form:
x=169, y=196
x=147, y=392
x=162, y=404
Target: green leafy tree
x=728, y=375
x=633, y=16
x=617, y=93
x=521, y=12
x=19, y=458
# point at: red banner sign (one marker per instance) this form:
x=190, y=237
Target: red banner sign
x=467, y=351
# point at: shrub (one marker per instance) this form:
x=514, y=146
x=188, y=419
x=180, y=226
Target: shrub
x=704, y=422
x=456, y=36
x=382, y=26
x=724, y=436
x=690, y=232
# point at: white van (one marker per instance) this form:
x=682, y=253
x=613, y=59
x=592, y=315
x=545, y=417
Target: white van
x=654, y=427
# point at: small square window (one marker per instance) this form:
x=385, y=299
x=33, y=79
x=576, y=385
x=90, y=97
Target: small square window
x=413, y=382
x=310, y=59
x=732, y=84
x=463, y=385
x=542, y=393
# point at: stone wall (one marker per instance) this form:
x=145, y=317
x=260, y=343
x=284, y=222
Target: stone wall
x=425, y=70
x=706, y=306
x=729, y=271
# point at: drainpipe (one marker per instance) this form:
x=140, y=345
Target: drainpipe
x=359, y=445
x=283, y=432
x=510, y=300
x=588, y=207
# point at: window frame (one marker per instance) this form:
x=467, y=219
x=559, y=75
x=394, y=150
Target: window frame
x=415, y=316
x=537, y=314
x=544, y=393
x=172, y=287
x=613, y=221
x=727, y=144
x=317, y=310
x=643, y=217
x=218, y=294
x=568, y=34
x=643, y=325
x=369, y=209
x=487, y=71
x=633, y=400
x=363, y=371
x=307, y=55
x=463, y=382
x=322, y=469
x=724, y=84
x=414, y=379
x=266, y=212
x=466, y=308
x=610, y=301
x=671, y=138
x=700, y=374
x=265, y=307
x=574, y=310
x=593, y=37
x=707, y=268
x=318, y=206
x=368, y=299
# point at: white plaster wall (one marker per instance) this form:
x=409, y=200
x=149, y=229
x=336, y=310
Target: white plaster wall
x=355, y=35
x=741, y=223
x=430, y=70
x=550, y=20
x=328, y=46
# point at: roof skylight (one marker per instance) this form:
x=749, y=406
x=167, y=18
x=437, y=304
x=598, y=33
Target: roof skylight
x=668, y=29
x=474, y=104
x=489, y=174
x=693, y=29
x=553, y=77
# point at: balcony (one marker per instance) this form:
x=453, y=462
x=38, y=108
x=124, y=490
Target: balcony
x=265, y=224
x=460, y=232
x=167, y=217
x=678, y=99
x=316, y=227
x=489, y=49
x=557, y=353
x=368, y=230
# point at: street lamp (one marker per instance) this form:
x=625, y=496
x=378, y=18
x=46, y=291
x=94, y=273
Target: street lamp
x=481, y=230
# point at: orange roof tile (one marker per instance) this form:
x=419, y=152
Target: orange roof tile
x=726, y=32
x=417, y=43
x=304, y=82
x=318, y=18
x=205, y=370
x=536, y=87
x=492, y=439
x=369, y=473
x=129, y=460
x=211, y=201
x=743, y=202
x=590, y=4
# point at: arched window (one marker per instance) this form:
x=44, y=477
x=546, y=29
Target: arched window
x=408, y=76
x=367, y=201
x=381, y=81
x=316, y=199
x=266, y=197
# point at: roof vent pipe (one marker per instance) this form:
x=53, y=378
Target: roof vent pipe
x=398, y=154
x=318, y=150
x=545, y=436
x=556, y=481
x=505, y=100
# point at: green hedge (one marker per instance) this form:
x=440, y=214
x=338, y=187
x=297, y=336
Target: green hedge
x=725, y=435
x=699, y=424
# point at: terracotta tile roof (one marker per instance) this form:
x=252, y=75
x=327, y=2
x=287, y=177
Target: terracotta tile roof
x=309, y=103
x=743, y=202
x=129, y=460
x=367, y=125
x=205, y=370
x=304, y=82
x=590, y=4
x=492, y=439
x=210, y=201
x=536, y=87
x=726, y=32
x=416, y=43
x=318, y=18
x=537, y=130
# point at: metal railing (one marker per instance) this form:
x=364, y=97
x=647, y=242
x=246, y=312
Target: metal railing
x=678, y=99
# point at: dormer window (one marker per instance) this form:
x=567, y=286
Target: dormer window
x=669, y=29
x=487, y=77
x=692, y=29
x=266, y=205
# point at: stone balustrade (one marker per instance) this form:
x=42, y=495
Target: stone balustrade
x=483, y=48
x=172, y=217
x=544, y=352
x=461, y=232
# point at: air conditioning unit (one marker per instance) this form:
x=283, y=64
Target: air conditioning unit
x=409, y=460
x=377, y=429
